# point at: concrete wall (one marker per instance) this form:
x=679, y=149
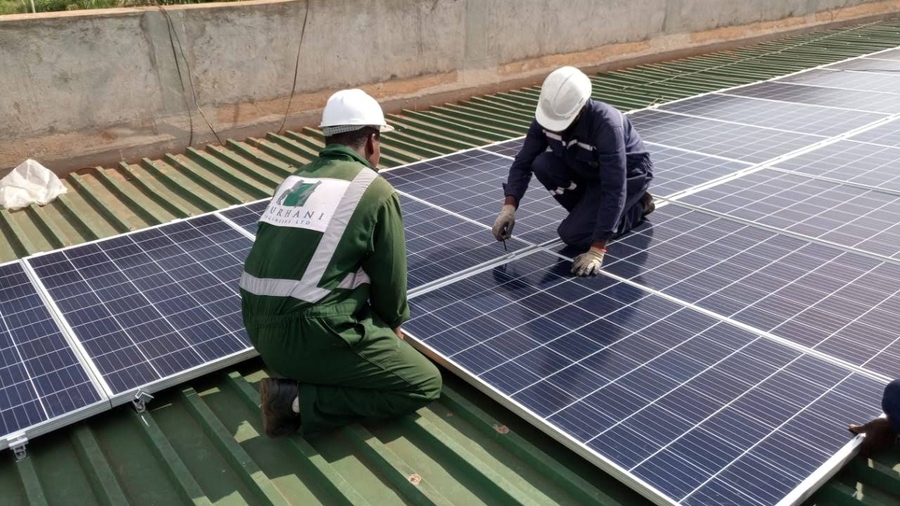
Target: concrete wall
x=96, y=87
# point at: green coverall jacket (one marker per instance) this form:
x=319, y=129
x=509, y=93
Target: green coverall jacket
x=323, y=288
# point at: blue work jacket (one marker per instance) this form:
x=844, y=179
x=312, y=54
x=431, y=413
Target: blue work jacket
x=601, y=147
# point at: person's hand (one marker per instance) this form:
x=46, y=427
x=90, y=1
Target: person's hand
x=399, y=333
x=589, y=262
x=503, y=226
x=880, y=435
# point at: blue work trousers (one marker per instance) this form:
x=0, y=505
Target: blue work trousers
x=583, y=202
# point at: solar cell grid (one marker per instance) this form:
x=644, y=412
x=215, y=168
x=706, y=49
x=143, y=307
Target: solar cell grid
x=247, y=216
x=885, y=135
x=614, y=367
x=865, y=164
x=816, y=296
x=153, y=304
x=676, y=170
x=802, y=118
x=893, y=54
x=508, y=148
x=41, y=377
x=867, y=220
x=859, y=81
x=713, y=137
x=470, y=184
x=858, y=100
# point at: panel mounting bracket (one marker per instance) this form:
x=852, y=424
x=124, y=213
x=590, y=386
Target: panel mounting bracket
x=140, y=400
x=17, y=443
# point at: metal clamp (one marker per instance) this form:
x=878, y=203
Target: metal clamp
x=140, y=400
x=17, y=444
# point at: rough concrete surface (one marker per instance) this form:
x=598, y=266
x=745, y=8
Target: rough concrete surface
x=102, y=86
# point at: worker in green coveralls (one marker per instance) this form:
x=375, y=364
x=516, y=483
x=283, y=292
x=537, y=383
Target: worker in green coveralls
x=324, y=287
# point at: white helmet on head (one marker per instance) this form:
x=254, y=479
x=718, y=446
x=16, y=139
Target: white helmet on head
x=563, y=94
x=349, y=110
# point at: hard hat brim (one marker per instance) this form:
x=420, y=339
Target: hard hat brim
x=554, y=124
x=386, y=128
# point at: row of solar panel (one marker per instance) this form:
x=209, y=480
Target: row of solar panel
x=155, y=305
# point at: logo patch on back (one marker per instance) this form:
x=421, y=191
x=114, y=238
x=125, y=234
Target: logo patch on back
x=305, y=203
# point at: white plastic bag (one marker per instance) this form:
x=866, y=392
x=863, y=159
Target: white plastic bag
x=29, y=183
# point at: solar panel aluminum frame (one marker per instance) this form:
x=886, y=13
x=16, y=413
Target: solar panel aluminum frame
x=128, y=396
x=60, y=421
x=796, y=496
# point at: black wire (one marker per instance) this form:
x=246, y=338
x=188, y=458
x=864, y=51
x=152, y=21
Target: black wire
x=190, y=78
x=296, y=69
x=171, y=28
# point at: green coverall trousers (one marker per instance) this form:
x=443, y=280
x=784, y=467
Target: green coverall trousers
x=350, y=367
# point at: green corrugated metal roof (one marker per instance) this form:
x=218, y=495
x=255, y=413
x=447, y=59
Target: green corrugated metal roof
x=201, y=443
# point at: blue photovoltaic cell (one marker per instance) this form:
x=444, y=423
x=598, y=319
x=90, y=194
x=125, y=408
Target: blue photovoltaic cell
x=471, y=184
x=675, y=170
x=508, y=148
x=247, y=216
x=875, y=166
x=859, y=81
x=868, y=220
x=155, y=303
x=858, y=100
x=702, y=411
x=438, y=244
x=739, y=142
x=821, y=297
x=40, y=375
x=803, y=118
x=887, y=134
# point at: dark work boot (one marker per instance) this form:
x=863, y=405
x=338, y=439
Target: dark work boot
x=277, y=398
x=647, y=202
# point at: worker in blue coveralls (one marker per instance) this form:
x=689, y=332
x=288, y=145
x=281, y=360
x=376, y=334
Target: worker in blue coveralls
x=596, y=167
x=882, y=432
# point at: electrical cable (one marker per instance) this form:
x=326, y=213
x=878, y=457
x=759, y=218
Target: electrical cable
x=296, y=69
x=173, y=38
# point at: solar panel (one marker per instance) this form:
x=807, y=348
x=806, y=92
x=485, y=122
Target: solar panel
x=875, y=64
x=508, y=148
x=41, y=376
x=803, y=118
x=867, y=220
x=885, y=135
x=676, y=170
x=865, y=164
x=684, y=407
x=153, y=305
x=857, y=100
x=815, y=296
x=713, y=137
x=470, y=184
x=860, y=81
x=247, y=216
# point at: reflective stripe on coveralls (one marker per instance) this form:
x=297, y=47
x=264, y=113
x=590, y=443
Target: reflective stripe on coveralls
x=307, y=288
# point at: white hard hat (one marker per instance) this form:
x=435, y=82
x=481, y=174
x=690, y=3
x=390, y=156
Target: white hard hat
x=349, y=110
x=563, y=94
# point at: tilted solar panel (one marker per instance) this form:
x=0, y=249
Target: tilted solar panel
x=866, y=220
x=865, y=101
x=852, y=162
x=153, y=305
x=41, y=377
x=685, y=407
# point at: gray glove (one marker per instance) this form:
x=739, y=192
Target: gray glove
x=588, y=263
x=504, y=224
